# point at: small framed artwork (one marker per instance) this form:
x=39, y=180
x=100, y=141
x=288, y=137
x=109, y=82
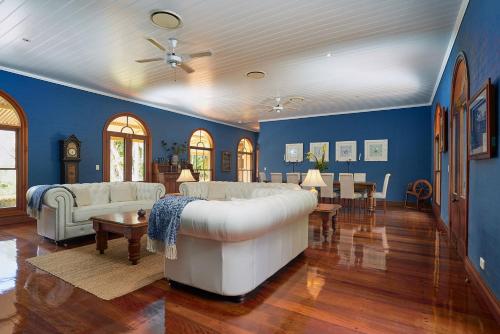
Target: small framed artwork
x=317, y=150
x=294, y=152
x=443, y=144
x=376, y=150
x=345, y=151
x=226, y=161
x=481, y=123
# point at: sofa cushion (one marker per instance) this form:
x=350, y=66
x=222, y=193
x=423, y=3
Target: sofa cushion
x=83, y=197
x=85, y=213
x=122, y=192
x=216, y=191
x=99, y=193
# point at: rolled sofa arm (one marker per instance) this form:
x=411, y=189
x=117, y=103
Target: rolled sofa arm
x=149, y=191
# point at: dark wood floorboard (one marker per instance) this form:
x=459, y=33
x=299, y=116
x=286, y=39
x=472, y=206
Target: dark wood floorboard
x=387, y=273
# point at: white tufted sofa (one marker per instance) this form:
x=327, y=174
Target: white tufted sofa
x=241, y=236
x=59, y=219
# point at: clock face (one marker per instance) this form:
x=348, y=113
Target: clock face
x=71, y=150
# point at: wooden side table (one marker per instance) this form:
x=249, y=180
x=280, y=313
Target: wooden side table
x=131, y=226
x=327, y=213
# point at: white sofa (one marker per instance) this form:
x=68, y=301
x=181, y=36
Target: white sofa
x=241, y=236
x=60, y=219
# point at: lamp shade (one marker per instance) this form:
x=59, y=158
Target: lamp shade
x=185, y=176
x=313, y=179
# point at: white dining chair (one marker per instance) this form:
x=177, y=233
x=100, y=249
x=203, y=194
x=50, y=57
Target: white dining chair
x=327, y=192
x=383, y=194
x=347, y=190
x=340, y=174
x=359, y=177
x=276, y=178
x=293, y=178
x=262, y=177
x=302, y=178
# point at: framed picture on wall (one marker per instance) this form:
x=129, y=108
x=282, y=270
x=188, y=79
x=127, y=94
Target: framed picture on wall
x=481, y=123
x=376, y=150
x=317, y=150
x=345, y=151
x=294, y=152
x=226, y=161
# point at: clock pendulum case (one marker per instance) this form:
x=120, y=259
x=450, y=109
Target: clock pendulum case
x=70, y=159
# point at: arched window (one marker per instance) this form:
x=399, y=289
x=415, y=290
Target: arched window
x=13, y=158
x=127, y=149
x=245, y=160
x=201, y=151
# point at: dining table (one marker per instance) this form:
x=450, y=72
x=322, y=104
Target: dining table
x=365, y=186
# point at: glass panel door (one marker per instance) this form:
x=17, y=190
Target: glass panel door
x=8, y=169
x=138, y=160
x=117, y=159
x=200, y=159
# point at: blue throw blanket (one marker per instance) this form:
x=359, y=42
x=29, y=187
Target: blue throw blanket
x=36, y=200
x=164, y=222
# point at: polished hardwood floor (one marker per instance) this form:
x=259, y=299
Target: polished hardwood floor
x=386, y=273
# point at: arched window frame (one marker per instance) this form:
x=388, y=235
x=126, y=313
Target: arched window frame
x=18, y=213
x=106, y=135
x=252, y=162
x=211, y=150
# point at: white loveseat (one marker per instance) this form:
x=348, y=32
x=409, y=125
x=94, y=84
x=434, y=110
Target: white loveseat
x=241, y=236
x=60, y=219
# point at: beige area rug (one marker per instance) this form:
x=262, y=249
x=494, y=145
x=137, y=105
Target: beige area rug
x=107, y=276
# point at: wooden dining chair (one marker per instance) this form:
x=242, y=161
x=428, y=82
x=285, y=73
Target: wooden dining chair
x=359, y=177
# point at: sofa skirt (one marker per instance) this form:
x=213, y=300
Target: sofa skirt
x=236, y=268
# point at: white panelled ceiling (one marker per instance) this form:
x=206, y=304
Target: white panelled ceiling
x=383, y=53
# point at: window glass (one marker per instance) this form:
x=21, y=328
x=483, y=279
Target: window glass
x=117, y=159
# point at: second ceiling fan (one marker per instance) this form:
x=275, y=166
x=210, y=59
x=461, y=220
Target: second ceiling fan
x=173, y=59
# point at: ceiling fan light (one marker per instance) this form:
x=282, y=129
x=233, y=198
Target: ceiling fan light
x=166, y=19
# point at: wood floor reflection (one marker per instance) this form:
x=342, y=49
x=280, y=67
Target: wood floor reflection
x=387, y=273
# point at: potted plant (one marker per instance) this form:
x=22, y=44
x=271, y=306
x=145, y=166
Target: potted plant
x=177, y=150
x=319, y=162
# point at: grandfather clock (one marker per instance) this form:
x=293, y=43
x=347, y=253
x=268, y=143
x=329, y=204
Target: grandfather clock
x=70, y=158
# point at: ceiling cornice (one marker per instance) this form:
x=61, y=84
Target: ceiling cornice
x=454, y=34
x=115, y=96
x=345, y=112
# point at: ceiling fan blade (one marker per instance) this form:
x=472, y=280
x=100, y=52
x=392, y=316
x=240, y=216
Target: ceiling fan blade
x=200, y=54
x=186, y=68
x=149, y=60
x=156, y=43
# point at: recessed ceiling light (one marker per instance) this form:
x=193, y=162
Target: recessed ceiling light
x=256, y=75
x=166, y=19
x=27, y=40
x=296, y=99
x=329, y=54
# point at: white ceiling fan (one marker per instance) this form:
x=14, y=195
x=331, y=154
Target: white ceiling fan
x=173, y=59
x=279, y=106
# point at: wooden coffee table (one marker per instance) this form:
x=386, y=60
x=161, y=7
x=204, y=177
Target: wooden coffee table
x=127, y=224
x=327, y=213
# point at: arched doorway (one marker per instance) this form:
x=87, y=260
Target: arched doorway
x=126, y=149
x=459, y=164
x=245, y=160
x=13, y=159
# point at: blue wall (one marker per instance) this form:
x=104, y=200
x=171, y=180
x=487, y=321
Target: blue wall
x=56, y=111
x=479, y=39
x=408, y=132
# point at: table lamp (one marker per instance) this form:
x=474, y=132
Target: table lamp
x=313, y=179
x=186, y=176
